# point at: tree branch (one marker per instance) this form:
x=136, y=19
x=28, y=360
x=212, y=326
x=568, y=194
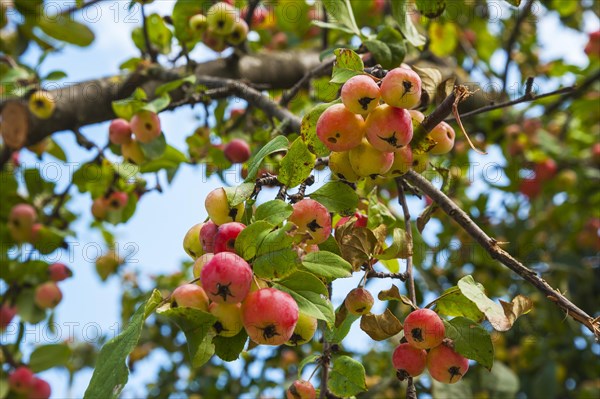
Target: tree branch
x=513, y=39
x=90, y=102
x=319, y=70
x=578, y=91
x=491, y=246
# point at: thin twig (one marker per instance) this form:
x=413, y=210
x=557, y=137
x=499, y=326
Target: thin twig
x=318, y=71
x=75, y=8
x=325, y=360
x=514, y=34
x=374, y=274
x=576, y=93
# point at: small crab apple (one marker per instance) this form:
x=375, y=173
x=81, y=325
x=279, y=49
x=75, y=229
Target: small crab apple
x=239, y=34
x=409, y=361
x=340, y=129
x=119, y=131
x=531, y=188
x=304, y=330
x=42, y=104
x=301, y=389
x=226, y=278
x=417, y=117
x=403, y=160
x=401, y=88
x=360, y=94
x=359, y=301
x=219, y=210
x=339, y=164
x=7, y=313
x=21, y=380
x=389, y=129
x=47, y=295
x=21, y=219
x=59, y=272
x=214, y=42
x=420, y=162
x=237, y=151
x=269, y=316
x=443, y=135
x=226, y=235
x=191, y=242
x=312, y=218
x=100, y=208
x=132, y=152
x=368, y=161
x=146, y=126
x=198, y=24
x=424, y=329
x=445, y=365
x=546, y=169
x=361, y=220
x=199, y=264
x=221, y=18
x=107, y=264
x=189, y=296
x=229, y=318
x=117, y=200
x=40, y=389
x=207, y=236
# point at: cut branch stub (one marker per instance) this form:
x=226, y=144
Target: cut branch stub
x=15, y=124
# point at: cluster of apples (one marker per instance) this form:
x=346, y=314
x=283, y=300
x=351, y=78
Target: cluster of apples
x=221, y=27
x=144, y=127
x=426, y=348
x=24, y=383
x=226, y=285
x=369, y=138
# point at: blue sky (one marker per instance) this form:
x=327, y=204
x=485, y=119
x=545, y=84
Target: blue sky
x=161, y=220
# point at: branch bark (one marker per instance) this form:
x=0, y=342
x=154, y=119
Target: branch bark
x=90, y=102
x=491, y=246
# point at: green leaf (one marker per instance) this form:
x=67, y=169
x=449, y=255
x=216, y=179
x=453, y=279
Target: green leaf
x=307, y=360
x=276, y=264
x=127, y=107
x=378, y=213
x=55, y=75
x=175, y=84
x=229, y=348
x=277, y=144
x=159, y=34
x=347, y=64
x=461, y=390
x=433, y=8
x=327, y=265
x=156, y=148
x=248, y=241
x=501, y=317
x=343, y=323
x=197, y=327
x=274, y=211
x=453, y=303
x=347, y=377
x=332, y=26
x=158, y=104
x=36, y=184
x=56, y=151
x=309, y=293
x=337, y=197
x=394, y=40
x=341, y=11
x=501, y=381
x=170, y=159
x=50, y=239
x=402, y=15
x=238, y=194
x=297, y=164
x=65, y=29
x=381, y=51
x=471, y=340
x=111, y=372
x=398, y=248
x=48, y=356
x=308, y=129
x=28, y=311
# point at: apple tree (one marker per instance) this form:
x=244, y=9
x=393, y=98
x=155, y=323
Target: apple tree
x=419, y=176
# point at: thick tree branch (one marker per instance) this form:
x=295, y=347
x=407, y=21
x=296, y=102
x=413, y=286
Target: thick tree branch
x=491, y=246
x=90, y=102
